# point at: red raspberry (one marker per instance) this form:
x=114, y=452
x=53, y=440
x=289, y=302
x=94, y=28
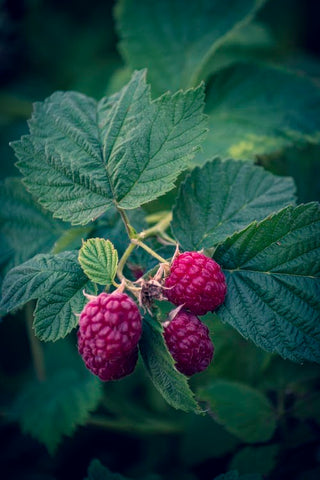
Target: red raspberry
x=197, y=282
x=110, y=328
x=188, y=341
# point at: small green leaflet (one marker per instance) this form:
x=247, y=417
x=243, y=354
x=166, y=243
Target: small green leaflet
x=223, y=197
x=83, y=156
x=53, y=408
x=242, y=410
x=259, y=109
x=57, y=281
x=177, y=39
x=99, y=260
x=159, y=364
x=21, y=218
x=97, y=471
x=272, y=270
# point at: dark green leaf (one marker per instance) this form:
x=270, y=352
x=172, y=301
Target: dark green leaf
x=175, y=39
x=255, y=459
x=272, y=270
x=172, y=385
x=308, y=407
x=57, y=281
x=223, y=197
x=55, y=407
x=242, y=410
x=97, y=471
x=260, y=109
x=81, y=157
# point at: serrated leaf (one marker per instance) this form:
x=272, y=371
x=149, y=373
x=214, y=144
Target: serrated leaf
x=99, y=260
x=255, y=110
x=255, y=459
x=242, y=410
x=97, y=471
x=83, y=156
x=159, y=364
x=175, y=39
x=223, y=197
x=272, y=270
x=57, y=281
x=53, y=408
x=22, y=218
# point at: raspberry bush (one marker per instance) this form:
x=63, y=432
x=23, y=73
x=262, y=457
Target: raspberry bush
x=158, y=258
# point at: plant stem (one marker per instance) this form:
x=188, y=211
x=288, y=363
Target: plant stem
x=158, y=228
x=35, y=345
x=125, y=219
x=123, y=260
x=149, y=250
x=149, y=426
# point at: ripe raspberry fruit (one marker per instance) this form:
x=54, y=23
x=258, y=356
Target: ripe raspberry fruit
x=188, y=341
x=196, y=282
x=109, y=330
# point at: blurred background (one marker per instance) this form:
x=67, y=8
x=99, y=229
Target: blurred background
x=48, y=45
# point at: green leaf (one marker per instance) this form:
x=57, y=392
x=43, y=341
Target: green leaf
x=26, y=226
x=223, y=197
x=159, y=364
x=57, y=281
x=97, y=471
x=53, y=408
x=81, y=157
x=243, y=411
x=256, y=110
x=175, y=39
x=99, y=260
x=272, y=270
x=255, y=459
x=308, y=407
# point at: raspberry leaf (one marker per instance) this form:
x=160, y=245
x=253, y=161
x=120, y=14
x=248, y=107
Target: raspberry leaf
x=57, y=281
x=99, y=260
x=242, y=410
x=177, y=55
x=50, y=409
x=159, y=364
x=260, y=109
x=223, y=197
x=83, y=156
x=256, y=459
x=20, y=219
x=272, y=270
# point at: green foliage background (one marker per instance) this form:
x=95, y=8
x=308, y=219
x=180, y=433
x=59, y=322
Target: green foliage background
x=270, y=424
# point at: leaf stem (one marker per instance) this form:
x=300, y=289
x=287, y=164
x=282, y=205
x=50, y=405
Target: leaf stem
x=35, y=345
x=137, y=242
x=129, y=228
x=123, y=260
x=149, y=426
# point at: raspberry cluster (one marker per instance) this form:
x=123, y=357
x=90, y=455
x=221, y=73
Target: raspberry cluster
x=197, y=283
x=109, y=331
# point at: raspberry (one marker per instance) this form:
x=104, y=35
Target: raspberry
x=188, y=341
x=110, y=328
x=196, y=282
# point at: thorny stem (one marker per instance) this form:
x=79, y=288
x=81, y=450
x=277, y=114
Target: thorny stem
x=35, y=346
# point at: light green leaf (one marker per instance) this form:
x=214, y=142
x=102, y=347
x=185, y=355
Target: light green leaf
x=22, y=218
x=243, y=411
x=272, y=270
x=256, y=110
x=53, y=408
x=81, y=157
x=159, y=364
x=99, y=260
x=57, y=281
x=175, y=39
x=97, y=471
x=223, y=197
x=255, y=459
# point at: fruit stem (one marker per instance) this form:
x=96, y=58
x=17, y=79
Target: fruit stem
x=35, y=345
x=123, y=260
x=137, y=242
x=158, y=229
